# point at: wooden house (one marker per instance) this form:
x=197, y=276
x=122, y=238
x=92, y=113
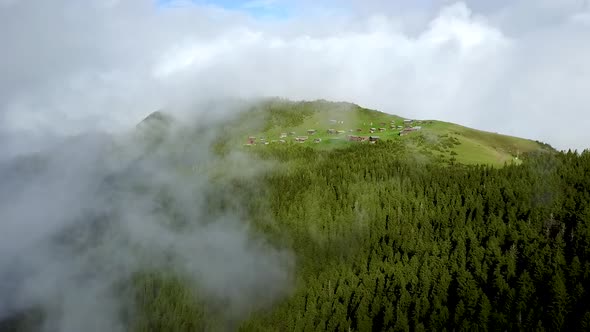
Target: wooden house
x=353, y=138
x=409, y=130
x=300, y=139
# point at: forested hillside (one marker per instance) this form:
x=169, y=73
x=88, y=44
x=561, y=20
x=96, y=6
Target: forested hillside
x=385, y=241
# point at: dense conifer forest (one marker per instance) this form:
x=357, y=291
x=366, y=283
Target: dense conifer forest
x=386, y=240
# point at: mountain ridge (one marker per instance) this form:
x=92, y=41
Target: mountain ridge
x=323, y=124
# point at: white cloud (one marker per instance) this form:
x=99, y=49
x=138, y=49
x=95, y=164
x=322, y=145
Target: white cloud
x=482, y=65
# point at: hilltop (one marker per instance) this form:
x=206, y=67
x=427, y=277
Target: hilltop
x=326, y=125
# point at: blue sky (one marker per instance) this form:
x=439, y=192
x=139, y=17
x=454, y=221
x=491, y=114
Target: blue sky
x=270, y=9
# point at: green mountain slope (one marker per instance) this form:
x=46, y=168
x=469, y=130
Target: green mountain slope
x=386, y=240
x=278, y=121
x=393, y=236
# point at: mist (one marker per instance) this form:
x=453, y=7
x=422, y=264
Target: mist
x=505, y=67
x=77, y=77
x=94, y=210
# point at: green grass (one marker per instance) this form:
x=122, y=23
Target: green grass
x=284, y=117
x=271, y=117
x=481, y=147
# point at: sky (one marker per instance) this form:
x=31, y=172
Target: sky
x=514, y=67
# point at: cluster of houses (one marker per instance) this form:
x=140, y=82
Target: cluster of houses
x=334, y=131
x=408, y=130
x=371, y=139
x=299, y=139
x=262, y=140
x=410, y=122
x=373, y=130
x=408, y=127
x=302, y=139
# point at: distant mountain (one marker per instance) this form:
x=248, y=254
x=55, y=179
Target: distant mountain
x=323, y=124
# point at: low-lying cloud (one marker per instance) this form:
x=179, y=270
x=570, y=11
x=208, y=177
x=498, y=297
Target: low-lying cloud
x=91, y=213
x=513, y=67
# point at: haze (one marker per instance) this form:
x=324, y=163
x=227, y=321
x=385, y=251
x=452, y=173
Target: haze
x=101, y=66
x=513, y=67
